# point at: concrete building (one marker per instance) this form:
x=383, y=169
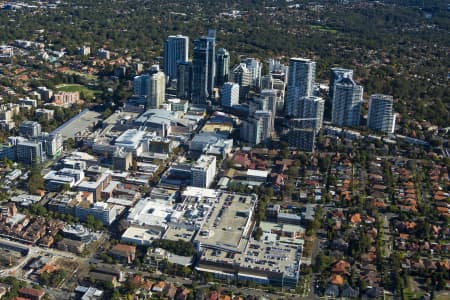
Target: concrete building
x=255, y=68
x=130, y=140
x=157, y=88
x=46, y=94
x=204, y=171
x=301, y=77
x=7, y=112
x=122, y=160
x=53, y=144
x=257, y=128
x=310, y=112
x=95, y=186
x=102, y=211
x=54, y=180
x=27, y=102
x=141, y=85
x=66, y=98
x=178, y=105
x=242, y=76
x=303, y=139
x=337, y=74
x=381, y=115
x=8, y=151
x=346, y=102
x=222, y=66
x=30, y=129
x=230, y=94
x=46, y=114
x=211, y=143
x=176, y=50
x=269, y=100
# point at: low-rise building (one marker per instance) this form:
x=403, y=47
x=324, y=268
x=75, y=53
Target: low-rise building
x=124, y=252
x=32, y=294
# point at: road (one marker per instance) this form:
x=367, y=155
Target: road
x=35, y=251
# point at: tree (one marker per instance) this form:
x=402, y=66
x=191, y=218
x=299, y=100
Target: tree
x=35, y=181
x=258, y=233
x=65, y=187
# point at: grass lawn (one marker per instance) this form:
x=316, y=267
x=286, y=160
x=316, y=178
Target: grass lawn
x=443, y=296
x=77, y=88
x=87, y=76
x=322, y=28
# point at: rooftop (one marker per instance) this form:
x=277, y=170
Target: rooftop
x=228, y=222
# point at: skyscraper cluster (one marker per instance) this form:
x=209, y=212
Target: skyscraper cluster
x=210, y=71
x=305, y=110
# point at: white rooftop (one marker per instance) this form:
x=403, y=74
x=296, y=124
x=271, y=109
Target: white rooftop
x=257, y=173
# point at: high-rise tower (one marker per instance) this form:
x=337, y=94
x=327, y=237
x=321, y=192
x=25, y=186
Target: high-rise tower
x=381, y=115
x=176, y=50
x=301, y=76
x=346, y=102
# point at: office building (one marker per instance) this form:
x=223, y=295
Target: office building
x=230, y=94
x=204, y=171
x=335, y=75
x=301, y=76
x=257, y=128
x=176, y=50
x=184, y=80
x=30, y=153
x=30, y=129
x=222, y=66
x=346, y=102
x=381, y=115
x=255, y=67
x=102, y=211
x=203, y=68
x=242, y=76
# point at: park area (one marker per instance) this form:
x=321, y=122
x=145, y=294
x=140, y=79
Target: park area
x=85, y=92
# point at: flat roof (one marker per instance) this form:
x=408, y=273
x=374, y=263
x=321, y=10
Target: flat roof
x=228, y=222
x=142, y=234
x=153, y=212
x=79, y=123
x=257, y=173
x=269, y=226
x=258, y=256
